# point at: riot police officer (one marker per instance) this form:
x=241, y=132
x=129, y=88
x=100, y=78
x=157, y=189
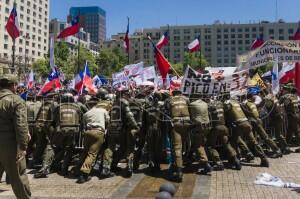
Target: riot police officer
x=177, y=105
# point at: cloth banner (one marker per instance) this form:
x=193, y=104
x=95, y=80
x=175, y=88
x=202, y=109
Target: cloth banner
x=286, y=51
x=257, y=79
x=149, y=73
x=220, y=71
x=134, y=69
x=197, y=83
x=120, y=79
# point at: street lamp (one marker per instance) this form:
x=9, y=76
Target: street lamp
x=26, y=37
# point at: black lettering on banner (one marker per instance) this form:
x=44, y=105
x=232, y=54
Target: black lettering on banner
x=193, y=87
x=236, y=79
x=186, y=85
x=216, y=87
x=223, y=87
x=206, y=88
x=198, y=88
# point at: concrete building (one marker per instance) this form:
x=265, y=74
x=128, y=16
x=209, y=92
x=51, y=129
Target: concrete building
x=33, y=18
x=56, y=27
x=93, y=21
x=220, y=43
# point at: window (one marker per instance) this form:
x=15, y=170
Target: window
x=291, y=31
x=219, y=36
x=176, y=31
x=5, y=37
x=232, y=36
x=240, y=36
x=271, y=31
x=281, y=31
x=281, y=37
x=253, y=29
x=233, y=42
x=225, y=36
x=186, y=31
x=226, y=42
x=232, y=30
x=5, y=46
x=240, y=30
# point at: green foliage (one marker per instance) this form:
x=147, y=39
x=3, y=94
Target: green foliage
x=41, y=67
x=193, y=60
x=109, y=62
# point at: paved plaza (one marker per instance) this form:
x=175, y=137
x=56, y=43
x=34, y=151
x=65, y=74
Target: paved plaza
x=225, y=184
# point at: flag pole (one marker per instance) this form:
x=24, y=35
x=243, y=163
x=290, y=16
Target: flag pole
x=78, y=52
x=200, y=51
x=128, y=48
x=13, y=55
x=158, y=49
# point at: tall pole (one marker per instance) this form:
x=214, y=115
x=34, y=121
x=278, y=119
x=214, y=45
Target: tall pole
x=78, y=52
x=200, y=52
x=13, y=55
x=128, y=48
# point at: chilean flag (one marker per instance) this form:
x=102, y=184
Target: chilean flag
x=72, y=30
x=51, y=83
x=259, y=41
x=12, y=25
x=126, y=39
x=87, y=81
x=30, y=81
x=287, y=73
x=78, y=83
x=164, y=40
x=297, y=34
x=194, y=45
x=162, y=63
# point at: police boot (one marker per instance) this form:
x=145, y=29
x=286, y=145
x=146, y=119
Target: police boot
x=219, y=166
x=286, y=150
x=297, y=150
x=264, y=162
x=42, y=173
x=249, y=157
x=276, y=154
x=7, y=180
x=83, y=177
x=206, y=168
x=129, y=168
x=178, y=175
x=235, y=162
x=106, y=173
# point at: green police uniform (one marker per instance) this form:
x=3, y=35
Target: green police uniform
x=95, y=121
x=220, y=131
x=291, y=103
x=276, y=121
x=252, y=113
x=242, y=128
x=14, y=137
x=45, y=132
x=33, y=108
x=68, y=117
x=152, y=126
x=201, y=126
x=122, y=132
x=179, y=113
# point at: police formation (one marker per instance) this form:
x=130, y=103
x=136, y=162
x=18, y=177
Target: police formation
x=89, y=135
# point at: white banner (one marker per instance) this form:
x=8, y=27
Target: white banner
x=119, y=79
x=220, y=71
x=194, y=82
x=134, y=69
x=285, y=51
x=149, y=73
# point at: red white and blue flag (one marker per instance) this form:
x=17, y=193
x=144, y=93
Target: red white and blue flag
x=287, y=73
x=52, y=83
x=164, y=40
x=30, y=81
x=297, y=65
x=87, y=81
x=258, y=42
x=72, y=30
x=12, y=25
x=126, y=38
x=161, y=62
x=194, y=46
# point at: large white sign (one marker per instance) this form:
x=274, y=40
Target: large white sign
x=285, y=51
x=197, y=83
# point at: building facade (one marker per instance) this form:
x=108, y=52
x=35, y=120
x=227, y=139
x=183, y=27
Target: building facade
x=33, y=18
x=92, y=20
x=55, y=27
x=220, y=43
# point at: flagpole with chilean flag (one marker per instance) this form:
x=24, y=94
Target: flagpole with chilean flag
x=194, y=46
x=13, y=29
x=126, y=41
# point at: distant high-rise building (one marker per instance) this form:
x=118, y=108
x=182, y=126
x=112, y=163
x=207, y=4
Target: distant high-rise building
x=33, y=16
x=92, y=19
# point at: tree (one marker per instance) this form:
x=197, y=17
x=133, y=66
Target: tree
x=109, y=62
x=41, y=67
x=193, y=60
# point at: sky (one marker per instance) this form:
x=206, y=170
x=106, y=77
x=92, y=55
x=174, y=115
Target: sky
x=156, y=13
